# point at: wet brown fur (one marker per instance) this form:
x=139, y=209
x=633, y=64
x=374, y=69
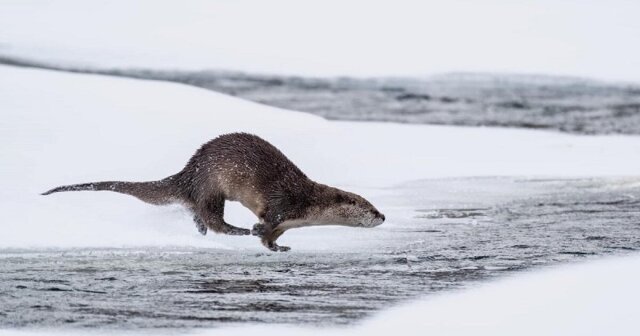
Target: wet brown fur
x=245, y=168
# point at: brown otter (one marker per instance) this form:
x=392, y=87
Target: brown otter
x=243, y=167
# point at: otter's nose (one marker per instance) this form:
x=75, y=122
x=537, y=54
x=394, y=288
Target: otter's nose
x=379, y=215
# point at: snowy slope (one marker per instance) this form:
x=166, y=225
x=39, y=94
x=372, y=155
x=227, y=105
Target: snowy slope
x=59, y=128
x=389, y=37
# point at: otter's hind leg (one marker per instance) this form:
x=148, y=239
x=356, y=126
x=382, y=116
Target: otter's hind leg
x=212, y=216
x=200, y=225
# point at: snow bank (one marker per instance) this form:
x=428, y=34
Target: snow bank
x=59, y=128
x=332, y=37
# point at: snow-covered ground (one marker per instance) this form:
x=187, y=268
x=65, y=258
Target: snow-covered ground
x=63, y=128
x=387, y=37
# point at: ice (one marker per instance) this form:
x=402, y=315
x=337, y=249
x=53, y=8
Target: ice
x=588, y=299
x=595, y=298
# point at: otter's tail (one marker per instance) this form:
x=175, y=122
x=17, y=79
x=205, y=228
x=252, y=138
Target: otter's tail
x=156, y=192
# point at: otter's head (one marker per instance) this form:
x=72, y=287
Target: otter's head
x=340, y=207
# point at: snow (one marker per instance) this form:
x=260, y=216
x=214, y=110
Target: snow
x=59, y=128
x=362, y=38
x=596, y=298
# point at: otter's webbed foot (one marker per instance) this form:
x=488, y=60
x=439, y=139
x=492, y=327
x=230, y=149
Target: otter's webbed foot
x=271, y=245
x=202, y=228
x=277, y=248
x=281, y=248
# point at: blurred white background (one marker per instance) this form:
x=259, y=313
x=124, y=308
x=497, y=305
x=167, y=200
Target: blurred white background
x=597, y=39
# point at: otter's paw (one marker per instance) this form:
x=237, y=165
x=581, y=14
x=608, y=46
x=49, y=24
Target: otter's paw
x=201, y=227
x=239, y=232
x=282, y=248
x=275, y=247
x=258, y=230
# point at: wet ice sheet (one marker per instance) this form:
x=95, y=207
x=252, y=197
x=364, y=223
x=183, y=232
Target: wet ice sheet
x=441, y=234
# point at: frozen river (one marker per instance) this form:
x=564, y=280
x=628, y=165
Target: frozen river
x=565, y=104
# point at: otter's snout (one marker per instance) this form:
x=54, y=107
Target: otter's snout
x=377, y=219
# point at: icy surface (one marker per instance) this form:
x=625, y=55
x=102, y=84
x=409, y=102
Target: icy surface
x=446, y=234
x=587, y=299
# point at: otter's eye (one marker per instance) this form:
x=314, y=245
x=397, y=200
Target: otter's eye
x=352, y=202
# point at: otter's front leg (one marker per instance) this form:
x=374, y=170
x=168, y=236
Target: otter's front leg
x=268, y=236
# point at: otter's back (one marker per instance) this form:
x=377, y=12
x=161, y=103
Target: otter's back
x=241, y=163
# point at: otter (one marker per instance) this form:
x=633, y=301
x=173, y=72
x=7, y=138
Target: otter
x=245, y=168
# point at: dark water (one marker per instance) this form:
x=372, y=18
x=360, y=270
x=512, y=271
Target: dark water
x=539, y=102
x=440, y=235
